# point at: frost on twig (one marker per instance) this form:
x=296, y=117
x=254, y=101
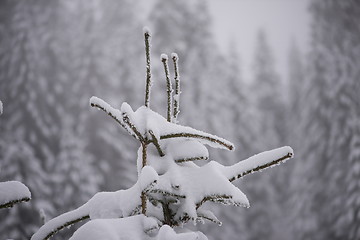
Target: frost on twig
x=190, y=159
x=207, y=137
x=147, y=36
x=164, y=60
x=13, y=192
x=175, y=59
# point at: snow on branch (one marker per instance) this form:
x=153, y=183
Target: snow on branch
x=144, y=119
x=112, y=112
x=175, y=59
x=258, y=162
x=122, y=203
x=13, y=192
x=211, y=140
x=138, y=227
x=1, y=107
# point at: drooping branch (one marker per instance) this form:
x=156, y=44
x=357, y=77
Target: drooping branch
x=13, y=192
x=164, y=60
x=175, y=59
x=212, y=198
x=209, y=138
x=156, y=143
x=258, y=162
x=147, y=36
x=11, y=203
x=112, y=112
x=67, y=224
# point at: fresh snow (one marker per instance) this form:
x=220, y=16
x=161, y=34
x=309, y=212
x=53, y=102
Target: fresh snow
x=259, y=160
x=170, y=177
x=174, y=55
x=144, y=120
x=146, y=30
x=164, y=56
x=105, y=205
x=13, y=191
x=137, y=227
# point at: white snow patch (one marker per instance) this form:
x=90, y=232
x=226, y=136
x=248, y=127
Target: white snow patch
x=174, y=55
x=105, y=205
x=164, y=56
x=12, y=191
x=258, y=160
x=146, y=30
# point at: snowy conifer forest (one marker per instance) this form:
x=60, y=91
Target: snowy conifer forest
x=150, y=169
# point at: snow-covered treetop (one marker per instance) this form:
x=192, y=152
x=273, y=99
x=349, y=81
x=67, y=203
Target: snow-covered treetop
x=171, y=188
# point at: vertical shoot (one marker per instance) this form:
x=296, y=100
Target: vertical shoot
x=147, y=36
x=175, y=59
x=164, y=59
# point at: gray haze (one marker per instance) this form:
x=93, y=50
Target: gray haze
x=260, y=74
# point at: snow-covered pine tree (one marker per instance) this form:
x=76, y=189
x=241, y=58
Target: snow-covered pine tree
x=171, y=189
x=12, y=192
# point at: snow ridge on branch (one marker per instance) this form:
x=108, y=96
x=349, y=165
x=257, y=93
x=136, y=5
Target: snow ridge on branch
x=13, y=192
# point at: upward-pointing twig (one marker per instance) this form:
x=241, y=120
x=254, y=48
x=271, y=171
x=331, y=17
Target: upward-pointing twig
x=147, y=36
x=175, y=59
x=164, y=59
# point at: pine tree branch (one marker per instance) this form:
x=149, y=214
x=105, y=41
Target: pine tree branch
x=156, y=143
x=166, y=193
x=191, y=159
x=164, y=60
x=147, y=36
x=212, y=139
x=11, y=203
x=175, y=59
x=213, y=198
x=58, y=229
x=258, y=162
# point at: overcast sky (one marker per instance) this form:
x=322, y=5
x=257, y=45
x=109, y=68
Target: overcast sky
x=282, y=20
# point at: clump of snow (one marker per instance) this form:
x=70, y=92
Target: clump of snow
x=164, y=57
x=130, y=228
x=105, y=205
x=13, y=191
x=174, y=56
x=137, y=227
x=262, y=160
x=146, y=30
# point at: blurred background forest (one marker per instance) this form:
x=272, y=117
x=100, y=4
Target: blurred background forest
x=55, y=55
